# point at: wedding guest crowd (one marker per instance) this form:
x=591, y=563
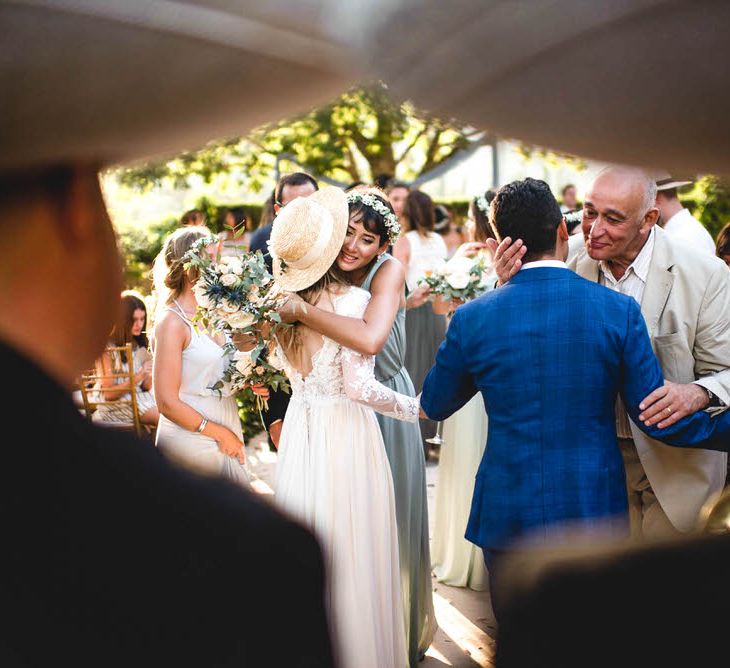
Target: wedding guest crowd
x=677, y=221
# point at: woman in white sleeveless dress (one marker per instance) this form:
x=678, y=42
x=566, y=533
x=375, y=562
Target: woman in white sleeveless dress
x=333, y=472
x=199, y=427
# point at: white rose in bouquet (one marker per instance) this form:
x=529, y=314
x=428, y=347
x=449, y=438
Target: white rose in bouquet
x=243, y=363
x=228, y=307
x=458, y=265
x=201, y=296
x=458, y=280
x=240, y=320
x=229, y=279
x=233, y=264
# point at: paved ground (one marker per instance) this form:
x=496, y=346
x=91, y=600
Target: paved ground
x=464, y=616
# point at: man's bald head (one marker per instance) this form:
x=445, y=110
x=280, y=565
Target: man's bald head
x=631, y=181
x=618, y=215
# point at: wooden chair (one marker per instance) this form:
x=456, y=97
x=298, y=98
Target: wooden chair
x=92, y=397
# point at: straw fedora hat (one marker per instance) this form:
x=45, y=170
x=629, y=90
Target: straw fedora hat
x=125, y=80
x=307, y=236
x=667, y=182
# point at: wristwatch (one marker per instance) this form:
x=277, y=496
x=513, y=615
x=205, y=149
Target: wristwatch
x=714, y=399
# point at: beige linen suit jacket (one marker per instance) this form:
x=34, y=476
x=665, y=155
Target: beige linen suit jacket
x=686, y=305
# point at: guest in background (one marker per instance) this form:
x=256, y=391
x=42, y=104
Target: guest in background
x=478, y=228
x=289, y=187
x=569, y=198
x=421, y=250
x=723, y=244
x=355, y=184
x=192, y=217
x=236, y=234
x=678, y=222
x=397, y=192
x=199, y=427
x=130, y=328
x=381, y=181
x=452, y=234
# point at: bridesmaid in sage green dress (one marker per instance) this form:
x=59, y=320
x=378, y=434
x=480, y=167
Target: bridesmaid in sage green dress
x=381, y=331
x=407, y=463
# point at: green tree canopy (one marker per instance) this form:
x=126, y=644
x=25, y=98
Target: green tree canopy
x=358, y=137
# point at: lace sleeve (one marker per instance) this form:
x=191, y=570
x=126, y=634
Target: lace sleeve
x=358, y=370
x=360, y=386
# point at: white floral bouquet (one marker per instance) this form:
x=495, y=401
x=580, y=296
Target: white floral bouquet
x=237, y=295
x=460, y=278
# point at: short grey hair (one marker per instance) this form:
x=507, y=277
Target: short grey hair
x=650, y=192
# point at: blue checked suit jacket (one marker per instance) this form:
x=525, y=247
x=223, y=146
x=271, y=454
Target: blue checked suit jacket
x=549, y=352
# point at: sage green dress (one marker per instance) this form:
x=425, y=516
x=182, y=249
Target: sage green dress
x=404, y=448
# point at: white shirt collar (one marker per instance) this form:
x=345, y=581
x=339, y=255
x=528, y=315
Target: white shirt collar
x=544, y=263
x=640, y=265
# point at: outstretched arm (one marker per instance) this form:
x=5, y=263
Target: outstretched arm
x=362, y=387
x=366, y=334
x=448, y=385
x=642, y=375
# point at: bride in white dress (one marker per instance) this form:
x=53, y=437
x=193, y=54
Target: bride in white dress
x=333, y=473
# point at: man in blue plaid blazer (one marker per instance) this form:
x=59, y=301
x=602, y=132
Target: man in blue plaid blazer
x=549, y=352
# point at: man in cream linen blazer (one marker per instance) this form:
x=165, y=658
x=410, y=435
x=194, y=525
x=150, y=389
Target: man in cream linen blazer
x=686, y=305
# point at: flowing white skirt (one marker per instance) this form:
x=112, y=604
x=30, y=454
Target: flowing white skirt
x=199, y=453
x=333, y=475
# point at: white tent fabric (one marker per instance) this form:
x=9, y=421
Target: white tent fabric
x=641, y=82
x=122, y=80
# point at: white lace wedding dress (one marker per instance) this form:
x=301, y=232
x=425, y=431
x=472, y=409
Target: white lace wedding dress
x=333, y=475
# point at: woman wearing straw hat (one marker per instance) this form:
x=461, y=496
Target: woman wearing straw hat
x=333, y=473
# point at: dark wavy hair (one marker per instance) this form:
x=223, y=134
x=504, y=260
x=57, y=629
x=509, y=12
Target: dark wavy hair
x=484, y=230
x=420, y=212
x=723, y=241
x=527, y=210
x=122, y=331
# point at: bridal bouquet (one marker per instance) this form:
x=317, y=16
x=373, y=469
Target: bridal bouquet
x=237, y=295
x=460, y=278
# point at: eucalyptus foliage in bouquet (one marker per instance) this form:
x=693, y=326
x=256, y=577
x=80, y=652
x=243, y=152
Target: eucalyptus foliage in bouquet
x=237, y=295
x=460, y=278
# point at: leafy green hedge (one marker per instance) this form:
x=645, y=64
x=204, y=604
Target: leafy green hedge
x=709, y=202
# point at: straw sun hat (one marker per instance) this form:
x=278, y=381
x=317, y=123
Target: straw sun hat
x=307, y=236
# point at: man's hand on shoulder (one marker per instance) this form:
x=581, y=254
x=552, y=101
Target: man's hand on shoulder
x=670, y=403
x=507, y=258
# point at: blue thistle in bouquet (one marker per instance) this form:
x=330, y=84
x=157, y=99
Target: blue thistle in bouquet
x=237, y=295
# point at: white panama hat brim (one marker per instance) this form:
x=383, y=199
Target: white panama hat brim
x=125, y=80
x=641, y=83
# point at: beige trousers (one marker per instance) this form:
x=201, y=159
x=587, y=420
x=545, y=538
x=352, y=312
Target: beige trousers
x=647, y=517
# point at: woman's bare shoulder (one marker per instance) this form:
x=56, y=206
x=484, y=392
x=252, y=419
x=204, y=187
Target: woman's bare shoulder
x=390, y=273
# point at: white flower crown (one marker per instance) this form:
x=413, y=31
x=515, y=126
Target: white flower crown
x=374, y=203
x=482, y=204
